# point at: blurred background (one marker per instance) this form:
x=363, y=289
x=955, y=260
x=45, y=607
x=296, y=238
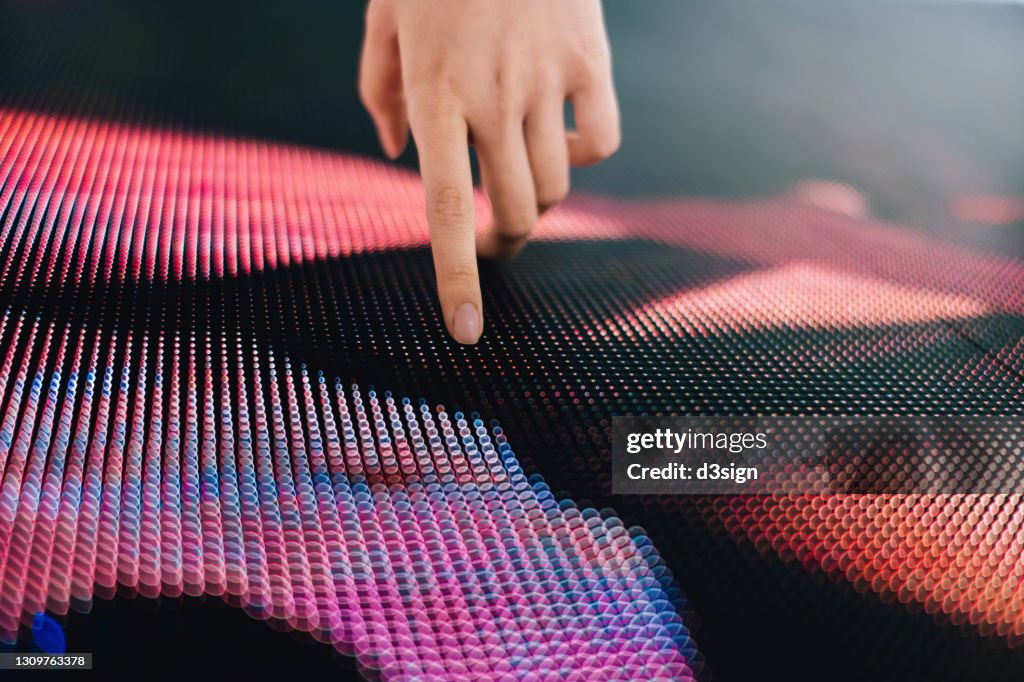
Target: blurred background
x=912, y=111
x=919, y=105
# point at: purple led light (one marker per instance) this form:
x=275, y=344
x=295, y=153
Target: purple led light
x=137, y=460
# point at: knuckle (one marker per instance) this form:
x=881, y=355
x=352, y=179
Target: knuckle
x=600, y=145
x=549, y=82
x=503, y=246
x=457, y=276
x=447, y=206
x=607, y=145
x=428, y=102
x=591, y=65
x=551, y=195
x=504, y=105
x=501, y=113
x=499, y=132
x=516, y=227
x=503, y=110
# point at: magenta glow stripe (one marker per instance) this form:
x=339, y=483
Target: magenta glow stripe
x=139, y=461
x=471, y=519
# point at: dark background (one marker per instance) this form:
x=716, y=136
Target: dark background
x=909, y=102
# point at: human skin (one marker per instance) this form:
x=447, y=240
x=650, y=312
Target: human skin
x=496, y=75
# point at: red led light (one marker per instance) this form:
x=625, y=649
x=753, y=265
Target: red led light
x=138, y=458
x=185, y=459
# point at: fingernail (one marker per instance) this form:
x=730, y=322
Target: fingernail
x=466, y=324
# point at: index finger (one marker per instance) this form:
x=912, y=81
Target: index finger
x=448, y=183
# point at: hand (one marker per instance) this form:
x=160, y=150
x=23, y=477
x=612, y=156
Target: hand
x=494, y=73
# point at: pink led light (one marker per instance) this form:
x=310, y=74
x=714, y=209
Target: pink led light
x=802, y=295
x=155, y=463
x=227, y=495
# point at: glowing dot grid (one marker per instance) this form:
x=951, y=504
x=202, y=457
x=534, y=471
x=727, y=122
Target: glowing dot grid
x=405, y=536
x=91, y=497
